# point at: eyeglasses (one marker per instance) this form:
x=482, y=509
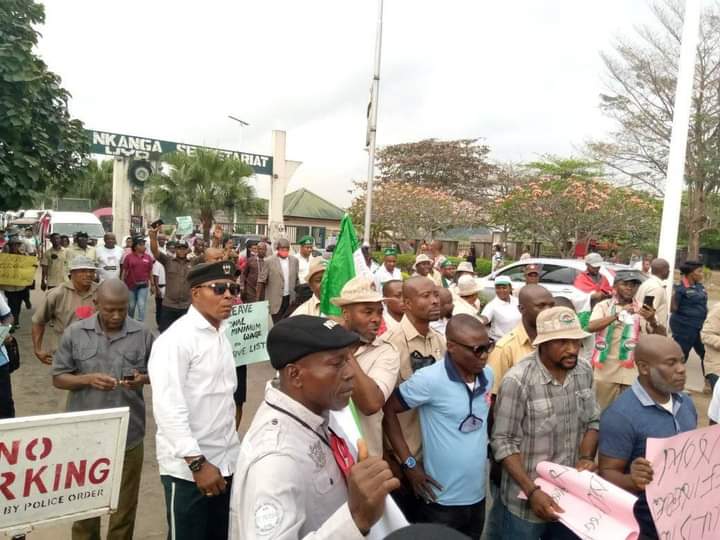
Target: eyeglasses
x=478, y=350
x=220, y=288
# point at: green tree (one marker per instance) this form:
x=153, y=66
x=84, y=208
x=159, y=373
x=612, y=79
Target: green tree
x=40, y=145
x=641, y=76
x=201, y=183
x=95, y=183
x=561, y=167
x=458, y=168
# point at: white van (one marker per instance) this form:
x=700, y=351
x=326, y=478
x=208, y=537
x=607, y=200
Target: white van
x=69, y=223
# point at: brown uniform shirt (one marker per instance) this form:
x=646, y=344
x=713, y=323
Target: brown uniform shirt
x=177, y=289
x=60, y=307
x=415, y=351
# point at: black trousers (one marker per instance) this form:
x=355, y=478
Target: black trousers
x=168, y=316
x=193, y=516
x=7, y=405
x=467, y=519
x=158, y=310
x=15, y=300
x=280, y=315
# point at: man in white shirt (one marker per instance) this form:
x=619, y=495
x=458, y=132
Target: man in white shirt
x=655, y=286
x=394, y=305
x=501, y=313
x=388, y=270
x=107, y=258
x=193, y=377
x=304, y=257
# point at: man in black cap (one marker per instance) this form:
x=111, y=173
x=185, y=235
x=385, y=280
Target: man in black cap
x=176, y=296
x=193, y=377
x=618, y=323
x=295, y=477
x=79, y=247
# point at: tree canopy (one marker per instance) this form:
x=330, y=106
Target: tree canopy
x=641, y=79
x=40, y=145
x=201, y=183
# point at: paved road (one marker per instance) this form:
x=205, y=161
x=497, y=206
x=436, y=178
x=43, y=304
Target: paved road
x=34, y=394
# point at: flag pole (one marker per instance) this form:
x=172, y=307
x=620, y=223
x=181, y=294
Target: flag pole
x=674, y=184
x=372, y=125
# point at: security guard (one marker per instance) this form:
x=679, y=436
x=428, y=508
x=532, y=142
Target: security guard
x=304, y=257
x=295, y=478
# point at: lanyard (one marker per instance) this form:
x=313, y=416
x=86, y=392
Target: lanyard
x=337, y=445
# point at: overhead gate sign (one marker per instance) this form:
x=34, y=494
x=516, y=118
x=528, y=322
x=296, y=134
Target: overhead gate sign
x=115, y=144
x=60, y=466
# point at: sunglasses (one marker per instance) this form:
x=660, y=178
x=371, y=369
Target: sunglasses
x=479, y=350
x=220, y=288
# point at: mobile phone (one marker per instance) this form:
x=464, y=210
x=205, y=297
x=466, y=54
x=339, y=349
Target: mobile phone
x=155, y=224
x=649, y=301
x=128, y=378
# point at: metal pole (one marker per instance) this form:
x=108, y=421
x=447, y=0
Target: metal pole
x=667, y=247
x=372, y=127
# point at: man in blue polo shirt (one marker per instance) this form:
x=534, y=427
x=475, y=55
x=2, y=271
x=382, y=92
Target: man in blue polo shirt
x=453, y=400
x=653, y=406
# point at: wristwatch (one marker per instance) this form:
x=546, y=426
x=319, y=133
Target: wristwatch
x=196, y=464
x=409, y=463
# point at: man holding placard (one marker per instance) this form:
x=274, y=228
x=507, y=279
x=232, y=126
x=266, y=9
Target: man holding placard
x=545, y=411
x=654, y=406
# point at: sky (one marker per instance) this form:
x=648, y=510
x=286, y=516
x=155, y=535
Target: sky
x=523, y=75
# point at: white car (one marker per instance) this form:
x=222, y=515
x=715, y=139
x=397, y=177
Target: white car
x=556, y=275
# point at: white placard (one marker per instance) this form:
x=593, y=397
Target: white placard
x=60, y=466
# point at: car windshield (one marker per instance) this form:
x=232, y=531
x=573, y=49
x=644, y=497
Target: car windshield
x=94, y=230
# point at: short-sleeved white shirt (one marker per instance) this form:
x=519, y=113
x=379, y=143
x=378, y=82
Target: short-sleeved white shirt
x=714, y=408
x=502, y=316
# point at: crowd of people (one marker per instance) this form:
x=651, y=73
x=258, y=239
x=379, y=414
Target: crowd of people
x=458, y=397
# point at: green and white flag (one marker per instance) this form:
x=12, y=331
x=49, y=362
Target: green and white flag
x=347, y=262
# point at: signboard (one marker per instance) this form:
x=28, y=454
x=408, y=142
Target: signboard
x=60, y=466
x=247, y=331
x=184, y=225
x=683, y=493
x=115, y=144
x=17, y=270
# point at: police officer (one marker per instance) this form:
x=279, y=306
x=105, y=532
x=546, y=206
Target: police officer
x=295, y=478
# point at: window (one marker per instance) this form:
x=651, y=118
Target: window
x=515, y=273
x=557, y=275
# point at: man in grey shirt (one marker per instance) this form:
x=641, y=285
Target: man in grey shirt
x=102, y=361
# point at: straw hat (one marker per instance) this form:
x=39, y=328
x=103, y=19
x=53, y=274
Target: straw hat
x=358, y=290
x=467, y=285
x=421, y=259
x=318, y=264
x=558, y=323
x=465, y=266
x=594, y=259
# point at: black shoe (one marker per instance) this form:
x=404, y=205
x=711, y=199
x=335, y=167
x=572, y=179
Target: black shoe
x=28, y=305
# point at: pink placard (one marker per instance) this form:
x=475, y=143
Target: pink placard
x=684, y=496
x=594, y=509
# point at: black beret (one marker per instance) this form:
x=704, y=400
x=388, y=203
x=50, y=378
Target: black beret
x=204, y=272
x=296, y=337
x=426, y=531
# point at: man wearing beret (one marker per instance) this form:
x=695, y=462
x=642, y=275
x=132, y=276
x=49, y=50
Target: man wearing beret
x=304, y=257
x=388, y=271
x=376, y=361
x=193, y=377
x=295, y=477
x=447, y=273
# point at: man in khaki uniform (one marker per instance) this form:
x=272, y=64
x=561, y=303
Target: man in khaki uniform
x=618, y=323
x=375, y=361
x=418, y=346
x=79, y=248
x=53, y=264
x=517, y=344
x=65, y=304
x=314, y=277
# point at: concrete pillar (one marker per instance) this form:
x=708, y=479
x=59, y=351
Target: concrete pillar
x=282, y=172
x=122, y=193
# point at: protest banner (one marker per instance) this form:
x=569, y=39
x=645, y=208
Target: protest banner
x=594, y=508
x=247, y=331
x=60, y=466
x=184, y=225
x=683, y=496
x=17, y=270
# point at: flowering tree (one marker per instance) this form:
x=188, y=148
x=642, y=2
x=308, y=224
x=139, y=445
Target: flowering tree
x=561, y=210
x=401, y=210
